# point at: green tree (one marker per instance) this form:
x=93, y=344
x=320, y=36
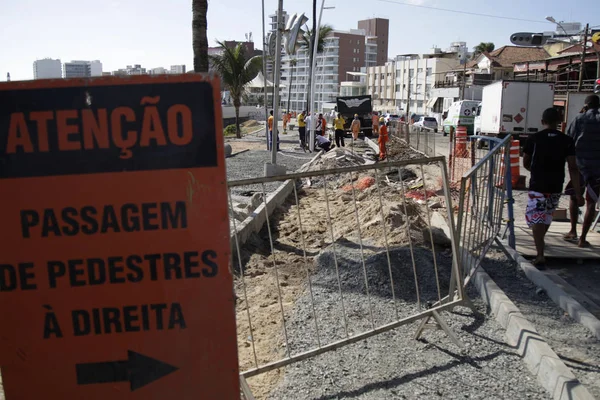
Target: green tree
x=236, y=71
x=307, y=42
x=293, y=63
x=483, y=47
x=199, y=38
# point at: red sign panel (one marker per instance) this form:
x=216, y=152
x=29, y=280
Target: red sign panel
x=114, y=278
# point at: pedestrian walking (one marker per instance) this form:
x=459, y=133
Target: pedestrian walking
x=339, y=123
x=302, y=130
x=585, y=132
x=383, y=139
x=355, y=127
x=544, y=155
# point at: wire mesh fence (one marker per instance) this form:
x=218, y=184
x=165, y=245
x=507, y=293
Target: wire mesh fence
x=485, y=195
x=353, y=253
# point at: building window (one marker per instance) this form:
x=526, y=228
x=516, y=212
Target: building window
x=411, y=72
x=427, y=87
x=429, y=71
x=419, y=103
x=419, y=70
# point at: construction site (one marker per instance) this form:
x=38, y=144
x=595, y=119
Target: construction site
x=364, y=279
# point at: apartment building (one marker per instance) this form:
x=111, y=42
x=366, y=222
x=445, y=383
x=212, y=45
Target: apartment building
x=378, y=30
x=82, y=69
x=381, y=85
x=47, y=68
x=416, y=75
x=272, y=29
x=177, y=69
x=344, y=56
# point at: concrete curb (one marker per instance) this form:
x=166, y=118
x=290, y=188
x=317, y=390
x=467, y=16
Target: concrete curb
x=557, y=294
x=372, y=145
x=541, y=360
x=255, y=221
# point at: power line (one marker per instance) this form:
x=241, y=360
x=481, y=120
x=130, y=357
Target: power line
x=461, y=12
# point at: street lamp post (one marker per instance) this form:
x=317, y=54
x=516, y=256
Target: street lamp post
x=551, y=19
x=311, y=142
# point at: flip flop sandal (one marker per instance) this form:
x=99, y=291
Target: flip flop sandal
x=570, y=238
x=586, y=245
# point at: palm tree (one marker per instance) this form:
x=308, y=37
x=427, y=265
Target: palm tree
x=483, y=47
x=293, y=63
x=307, y=42
x=199, y=38
x=236, y=71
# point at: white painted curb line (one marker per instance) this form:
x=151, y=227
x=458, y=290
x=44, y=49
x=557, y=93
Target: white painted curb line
x=372, y=145
x=541, y=360
x=556, y=293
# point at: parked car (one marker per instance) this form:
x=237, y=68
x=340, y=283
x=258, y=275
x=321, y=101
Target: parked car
x=427, y=123
x=391, y=117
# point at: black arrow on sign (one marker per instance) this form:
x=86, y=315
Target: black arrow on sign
x=139, y=370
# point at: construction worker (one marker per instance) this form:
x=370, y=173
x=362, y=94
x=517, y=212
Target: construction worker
x=339, y=123
x=355, y=127
x=285, y=122
x=302, y=130
x=270, y=122
x=375, y=122
x=383, y=139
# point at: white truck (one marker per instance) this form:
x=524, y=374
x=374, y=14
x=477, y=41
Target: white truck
x=575, y=102
x=514, y=107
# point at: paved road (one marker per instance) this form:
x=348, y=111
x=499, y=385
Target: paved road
x=251, y=164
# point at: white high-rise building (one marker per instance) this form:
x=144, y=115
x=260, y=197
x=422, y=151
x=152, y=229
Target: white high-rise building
x=178, y=69
x=47, y=68
x=82, y=69
x=272, y=29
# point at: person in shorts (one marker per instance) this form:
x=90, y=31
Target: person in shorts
x=585, y=132
x=544, y=155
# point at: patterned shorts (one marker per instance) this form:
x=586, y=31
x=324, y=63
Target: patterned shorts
x=540, y=207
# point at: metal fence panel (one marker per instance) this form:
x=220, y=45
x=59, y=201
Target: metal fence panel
x=362, y=241
x=485, y=192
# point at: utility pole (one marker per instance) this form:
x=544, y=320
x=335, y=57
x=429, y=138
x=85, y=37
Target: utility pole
x=581, y=66
x=272, y=168
x=264, y=59
x=312, y=69
x=464, y=80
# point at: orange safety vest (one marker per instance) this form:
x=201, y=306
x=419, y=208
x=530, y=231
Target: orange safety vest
x=375, y=120
x=383, y=134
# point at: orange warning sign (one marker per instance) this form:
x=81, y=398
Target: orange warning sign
x=114, y=278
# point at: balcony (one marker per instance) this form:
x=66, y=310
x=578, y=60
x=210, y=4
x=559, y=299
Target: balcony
x=471, y=81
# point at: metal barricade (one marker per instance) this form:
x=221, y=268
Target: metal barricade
x=352, y=253
x=485, y=193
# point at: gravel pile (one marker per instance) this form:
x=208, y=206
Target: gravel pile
x=393, y=365
x=573, y=342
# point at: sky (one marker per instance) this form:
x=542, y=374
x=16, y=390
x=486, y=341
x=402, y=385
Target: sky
x=157, y=33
